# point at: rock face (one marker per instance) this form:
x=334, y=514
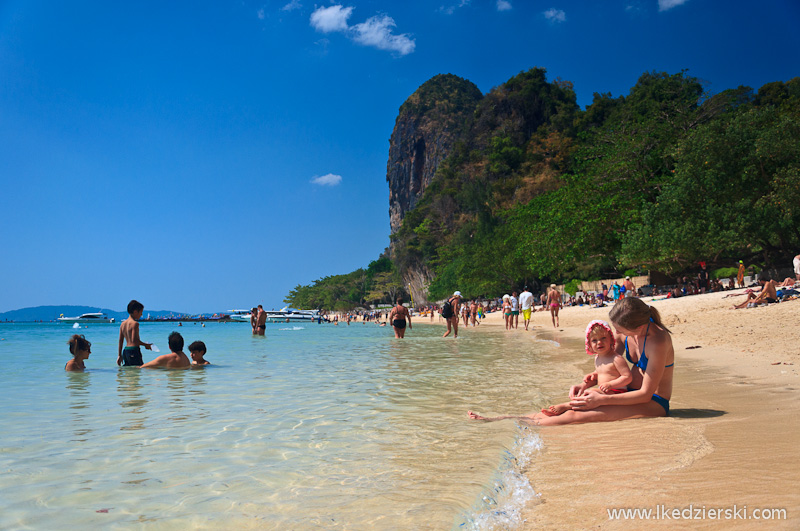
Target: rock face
x=428, y=124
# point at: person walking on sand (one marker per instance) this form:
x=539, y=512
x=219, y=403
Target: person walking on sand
x=554, y=302
x=450, y=313
x=398, y=317
x=630, y=289
x=514, y=309
x=131, y=356
x=525, y=303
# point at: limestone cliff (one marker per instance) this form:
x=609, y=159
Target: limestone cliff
x=428, y=124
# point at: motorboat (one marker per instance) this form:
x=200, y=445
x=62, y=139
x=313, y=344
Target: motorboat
x=240, y=315
x=291, y=314
x=87, y=318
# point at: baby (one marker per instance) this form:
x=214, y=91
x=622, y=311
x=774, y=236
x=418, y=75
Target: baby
x=611, y=375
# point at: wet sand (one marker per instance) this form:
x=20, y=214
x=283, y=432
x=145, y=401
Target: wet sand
x=730, y=442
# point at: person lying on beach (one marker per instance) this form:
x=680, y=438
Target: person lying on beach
x=768, y=295
x=646, y=343
x=176, y=359
x=197, y=350
x=131, y=356
x=80, y=348
x=611, y=373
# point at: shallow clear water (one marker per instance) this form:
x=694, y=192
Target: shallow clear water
x=314, y=426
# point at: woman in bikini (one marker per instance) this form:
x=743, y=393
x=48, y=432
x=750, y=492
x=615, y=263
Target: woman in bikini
x=398, y=317
x=646, y=343
x=554, y=301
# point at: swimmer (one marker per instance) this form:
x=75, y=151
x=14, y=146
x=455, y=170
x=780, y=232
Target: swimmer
x=197, y=350
x=80, y=348
x=176, y=359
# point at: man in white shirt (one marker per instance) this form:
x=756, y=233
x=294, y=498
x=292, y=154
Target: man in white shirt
x=526, y=302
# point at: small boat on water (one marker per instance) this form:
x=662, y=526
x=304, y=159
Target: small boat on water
x=290, y=314
x=86, y=318
x=240, y=315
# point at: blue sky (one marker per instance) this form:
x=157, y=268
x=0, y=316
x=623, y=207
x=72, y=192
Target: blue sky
x=202, y=156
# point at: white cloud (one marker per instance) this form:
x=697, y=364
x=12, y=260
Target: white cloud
x=449, y=10
x=329, y=19
x=291, y=6
x=555, y=15
x=327, y=180
x=261, y=14
x=664, y=5
x=377, y=32
x=503, y=5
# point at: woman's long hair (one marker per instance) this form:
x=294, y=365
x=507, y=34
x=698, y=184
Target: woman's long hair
x=631, y=313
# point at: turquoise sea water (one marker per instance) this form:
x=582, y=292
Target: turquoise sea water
x=314, y=426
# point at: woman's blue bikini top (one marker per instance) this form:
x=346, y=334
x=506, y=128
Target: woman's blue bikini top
x=642, y=363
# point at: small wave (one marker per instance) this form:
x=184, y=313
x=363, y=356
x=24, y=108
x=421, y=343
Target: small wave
x=294, y=328
x=502, y=505
x=549, y=341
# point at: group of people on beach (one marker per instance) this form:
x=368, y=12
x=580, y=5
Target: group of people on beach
x=131, y=354
x=615, y=391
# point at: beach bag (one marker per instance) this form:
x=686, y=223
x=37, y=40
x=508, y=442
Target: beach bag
x=447, y=309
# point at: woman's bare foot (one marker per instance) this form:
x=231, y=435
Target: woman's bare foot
x=554, y=411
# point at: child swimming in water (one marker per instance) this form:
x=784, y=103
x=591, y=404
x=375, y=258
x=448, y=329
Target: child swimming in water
x=197, y=350
x=611, y=373
x=80, y=348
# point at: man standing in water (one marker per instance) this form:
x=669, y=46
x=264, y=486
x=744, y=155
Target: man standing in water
x=450, y=313
x=398, y=317
x=129, y=333
x=261, y=321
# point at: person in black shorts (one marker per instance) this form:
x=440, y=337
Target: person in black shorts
x=398, y=317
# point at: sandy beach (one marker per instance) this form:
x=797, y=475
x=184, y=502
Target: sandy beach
x=729, y=443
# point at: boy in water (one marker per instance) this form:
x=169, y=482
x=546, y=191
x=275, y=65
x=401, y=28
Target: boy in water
x=197, y=350
x=176, y=359
x=129, y=332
